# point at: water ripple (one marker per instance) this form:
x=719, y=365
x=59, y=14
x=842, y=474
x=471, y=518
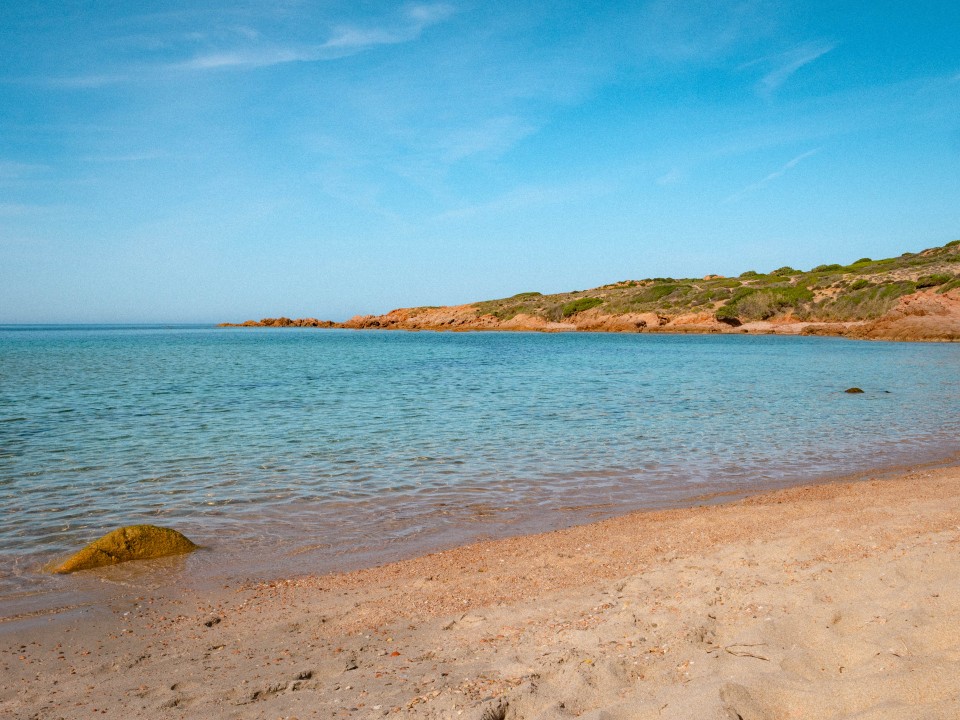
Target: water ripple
x=341, y=447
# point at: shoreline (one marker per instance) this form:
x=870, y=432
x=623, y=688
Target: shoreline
x=214, y=565
x=922, y=331
x=482, y=611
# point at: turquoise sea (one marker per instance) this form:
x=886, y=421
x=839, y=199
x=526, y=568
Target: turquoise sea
x=301, y=450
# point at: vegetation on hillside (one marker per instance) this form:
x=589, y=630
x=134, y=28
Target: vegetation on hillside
x=862, y=290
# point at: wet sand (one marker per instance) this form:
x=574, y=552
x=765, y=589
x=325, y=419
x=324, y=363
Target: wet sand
x=828, y=601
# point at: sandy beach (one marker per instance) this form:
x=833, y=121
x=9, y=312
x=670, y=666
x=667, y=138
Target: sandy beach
x=836, y=600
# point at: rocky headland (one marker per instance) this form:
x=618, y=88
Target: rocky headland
x=915, y=296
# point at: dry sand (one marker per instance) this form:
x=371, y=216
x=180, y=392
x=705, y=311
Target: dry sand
x=830, y=601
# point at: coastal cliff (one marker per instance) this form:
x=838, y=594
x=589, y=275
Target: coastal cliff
x=912, y=297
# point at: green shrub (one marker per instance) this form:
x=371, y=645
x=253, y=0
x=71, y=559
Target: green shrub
x=767, y=303
x=878, y=265
x=859, y=284
x=750, y=274
x=946, y=287
x=952, y=243
x=506, y=313
x=827, y=268
x=767, y=280
x=866, y=304
x=554, y=313
x=760, y=304
x=711, y=295
x=741, y=293
x=579, y=305
x=861, y=261
x=726, y=312
x=524, y=295
x=653, y=293
x=785, y=271
x=926, y=281
x=722, y=282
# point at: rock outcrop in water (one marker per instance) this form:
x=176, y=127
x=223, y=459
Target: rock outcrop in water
x=283, y=322
x=134, y=542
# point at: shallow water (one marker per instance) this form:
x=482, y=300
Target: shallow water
x=289, y=450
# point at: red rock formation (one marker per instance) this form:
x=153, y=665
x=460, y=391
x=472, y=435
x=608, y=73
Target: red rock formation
x=283, y=322
x=925, y=315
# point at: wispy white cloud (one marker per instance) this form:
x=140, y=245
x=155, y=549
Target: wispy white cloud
x=527, y=196
x=429, y=13
x=495, y=135
x=247, y=32
x=786, y=64
x=244, y=46
x=672, y=177
x=90, y=81
x=12, y=210
x=246, y=58
x=128, y=158
x=346, y=40
x=787, y=167
x=10, y=170
x=698, y=32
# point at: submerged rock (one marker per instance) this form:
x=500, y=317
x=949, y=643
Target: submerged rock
x=135, y=542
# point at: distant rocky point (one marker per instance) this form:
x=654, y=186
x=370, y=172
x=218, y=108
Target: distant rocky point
x=284, y=322
x=915, y=296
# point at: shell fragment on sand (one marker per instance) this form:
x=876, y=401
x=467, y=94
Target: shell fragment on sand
x=134, y=542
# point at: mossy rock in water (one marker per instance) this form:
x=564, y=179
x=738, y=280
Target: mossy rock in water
x=853, y=391
x=135, y=542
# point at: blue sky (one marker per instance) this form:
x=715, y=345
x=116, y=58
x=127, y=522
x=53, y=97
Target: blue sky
x=205, y=161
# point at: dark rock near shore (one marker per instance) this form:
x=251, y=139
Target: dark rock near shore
x=134, y=542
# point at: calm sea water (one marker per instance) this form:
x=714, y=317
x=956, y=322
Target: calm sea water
x=306, y=450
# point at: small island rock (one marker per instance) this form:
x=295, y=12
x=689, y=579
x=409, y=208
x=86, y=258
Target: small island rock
x=853, y=390
x=135, y=542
